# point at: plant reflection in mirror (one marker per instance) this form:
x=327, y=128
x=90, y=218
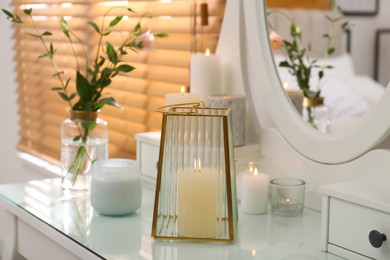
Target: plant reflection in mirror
x=300, y=59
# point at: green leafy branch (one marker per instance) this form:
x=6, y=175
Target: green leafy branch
x=299, y=59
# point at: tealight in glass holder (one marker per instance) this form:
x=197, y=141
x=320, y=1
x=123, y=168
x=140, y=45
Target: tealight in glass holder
x=287, y=196
x=195, y=189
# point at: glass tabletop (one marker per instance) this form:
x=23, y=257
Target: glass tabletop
x=128, y=237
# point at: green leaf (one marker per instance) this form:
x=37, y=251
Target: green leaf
x=77, y=138
x=94, y=26
x=106, y=101
x=161, y=35
x=101, y=61
x=130, y=10
x=72, y=96
x=83, y=88
x=49, y=54
x=67, y=82
x=34, y=35
x=11, y=17
x=124, y=68
x=115, y=21
x=331, y=51
x=111, y=53
x=284, y=64
x=64, y=27
x=320, y=74
x=63, y=96
x=28, y=11
x=57, y=89
x=47, y=33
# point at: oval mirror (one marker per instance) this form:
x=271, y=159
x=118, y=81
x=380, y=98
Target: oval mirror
x=311, y=43
x=332, y=148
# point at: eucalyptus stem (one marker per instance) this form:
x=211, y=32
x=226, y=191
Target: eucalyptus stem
x=52, y=60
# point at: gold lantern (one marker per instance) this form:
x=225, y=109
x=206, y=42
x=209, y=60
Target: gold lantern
x=195, y=190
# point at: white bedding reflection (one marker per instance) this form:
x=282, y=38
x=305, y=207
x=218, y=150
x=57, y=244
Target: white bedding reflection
x=350, y=96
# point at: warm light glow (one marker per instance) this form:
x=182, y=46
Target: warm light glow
x=165, y=1
x=288, y=200
x=285, y=85
x=183, y=90
x=255, y=172
x=34, y=6
x=67, y=18
x=250, y=166
x=197, y=165
x=207, y=52
x=253, y=252
x=66, y=5
x=114, y=3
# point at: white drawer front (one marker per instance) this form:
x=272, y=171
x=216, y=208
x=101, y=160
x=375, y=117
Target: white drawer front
x=148, y=159
x=350, y=224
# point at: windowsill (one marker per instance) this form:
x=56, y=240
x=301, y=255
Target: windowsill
x=46, y=168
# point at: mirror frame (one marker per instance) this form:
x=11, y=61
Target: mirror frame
x=262, y=80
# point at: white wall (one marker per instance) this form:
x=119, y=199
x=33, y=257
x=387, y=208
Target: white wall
x=363, y=37
x=12, y=168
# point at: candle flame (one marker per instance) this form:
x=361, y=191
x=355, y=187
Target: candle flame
x=197, y=166
x=251, y=168
x=288, y=200
x=255, y=172
x=183, y=90
x=285, y=85
x=253, y=252
x=207, y=52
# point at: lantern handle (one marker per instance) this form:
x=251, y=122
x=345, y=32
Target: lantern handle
x=189, y=107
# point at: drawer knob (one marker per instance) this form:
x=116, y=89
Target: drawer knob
x=376, y=238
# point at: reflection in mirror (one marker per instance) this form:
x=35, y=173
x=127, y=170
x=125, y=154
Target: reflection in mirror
x=317, y=72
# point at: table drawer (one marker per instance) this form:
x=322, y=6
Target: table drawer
x=32, y=244
x=350, y=225
x=148, y=159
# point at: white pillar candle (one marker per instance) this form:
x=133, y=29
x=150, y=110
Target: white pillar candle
x=205, y=75
x=181, y=98
x=254, y=193
x=197, y=202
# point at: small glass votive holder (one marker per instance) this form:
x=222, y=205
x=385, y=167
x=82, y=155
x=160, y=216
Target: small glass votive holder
x=287, y=196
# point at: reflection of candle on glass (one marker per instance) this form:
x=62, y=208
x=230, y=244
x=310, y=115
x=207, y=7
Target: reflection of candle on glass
x=181, y=98
x=197, y=201
x=254, y=193
x=205, y=74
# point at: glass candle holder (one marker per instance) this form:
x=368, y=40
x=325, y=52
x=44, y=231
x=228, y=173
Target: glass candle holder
x=116, y=187
x=287, y=196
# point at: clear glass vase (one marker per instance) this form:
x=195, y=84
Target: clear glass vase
x=316, y=114
x=84, y=139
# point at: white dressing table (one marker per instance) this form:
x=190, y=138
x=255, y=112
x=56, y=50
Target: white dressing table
x=44, y=222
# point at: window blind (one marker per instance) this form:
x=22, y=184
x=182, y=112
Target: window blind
x=161, y=71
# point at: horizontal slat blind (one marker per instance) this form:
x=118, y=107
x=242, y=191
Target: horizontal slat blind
x=161, y=71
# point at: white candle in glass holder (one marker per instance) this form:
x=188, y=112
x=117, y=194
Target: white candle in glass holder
x=254, y=193
x=197, y=202
x=181, y=98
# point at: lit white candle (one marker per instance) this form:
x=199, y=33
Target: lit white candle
x=197, y=202
x=254, y=193
x=181, y=98
x=205, y=74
